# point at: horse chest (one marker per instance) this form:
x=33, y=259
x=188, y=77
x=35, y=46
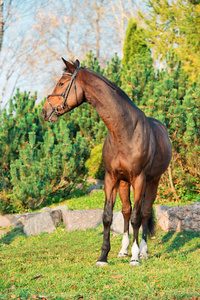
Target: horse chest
x=122, y=165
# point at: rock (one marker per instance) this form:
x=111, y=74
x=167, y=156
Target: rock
x=95, y=181
x=60, y=207
x=45, y=209
x=97, y=184
x=56, y=216
x=118, y=224
x=19, y=220
x=82, y=219
x=179, y=218
x=95, y=187
x=5, y=221
x=39, y=223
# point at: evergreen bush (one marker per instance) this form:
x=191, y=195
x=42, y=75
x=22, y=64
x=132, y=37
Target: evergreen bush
x=39, y=160
x=95, y=163
x=169, y=97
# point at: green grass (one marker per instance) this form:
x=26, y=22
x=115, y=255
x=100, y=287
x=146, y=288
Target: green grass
x=66, y=265
x=61, y=265
x=96, y=201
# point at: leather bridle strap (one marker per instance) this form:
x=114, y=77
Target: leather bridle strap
x=64, y=95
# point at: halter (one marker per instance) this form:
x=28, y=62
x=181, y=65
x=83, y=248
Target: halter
x=64, y=95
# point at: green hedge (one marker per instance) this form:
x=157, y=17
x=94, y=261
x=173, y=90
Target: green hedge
x=39, y=160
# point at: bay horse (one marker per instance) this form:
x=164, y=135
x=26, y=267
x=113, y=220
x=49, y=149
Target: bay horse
x=136, y=152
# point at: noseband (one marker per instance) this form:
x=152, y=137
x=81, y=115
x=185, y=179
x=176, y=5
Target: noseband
x=65, y=94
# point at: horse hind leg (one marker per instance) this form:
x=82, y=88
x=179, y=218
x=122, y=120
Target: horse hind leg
x=139, y=189
x=124, y=193
x=147, y=215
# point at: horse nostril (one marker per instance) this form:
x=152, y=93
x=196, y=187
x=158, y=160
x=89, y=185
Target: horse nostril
x=43, y=113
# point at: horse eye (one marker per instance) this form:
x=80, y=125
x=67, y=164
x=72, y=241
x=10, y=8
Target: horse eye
x=61, y=83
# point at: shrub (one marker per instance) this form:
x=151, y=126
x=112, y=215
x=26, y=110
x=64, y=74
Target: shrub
x=57, y=164
x=95, y=163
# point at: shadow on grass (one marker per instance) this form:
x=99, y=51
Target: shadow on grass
x=177, y=240
x=10, y=236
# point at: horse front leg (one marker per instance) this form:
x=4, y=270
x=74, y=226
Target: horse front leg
x=111, y=186
x=136, y=219
x=124, y=194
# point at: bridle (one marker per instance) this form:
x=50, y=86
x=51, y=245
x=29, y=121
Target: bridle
x=65, y=94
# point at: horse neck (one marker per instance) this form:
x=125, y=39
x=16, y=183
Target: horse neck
x=112, y=105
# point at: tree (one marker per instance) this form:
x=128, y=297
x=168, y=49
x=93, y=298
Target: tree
x=15, y=23
x=134, y=42
x=173, y=27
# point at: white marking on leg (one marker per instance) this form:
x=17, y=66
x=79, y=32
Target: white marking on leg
x=143, y=249
x=101, y=264
x=135, y=252
x=125, y=243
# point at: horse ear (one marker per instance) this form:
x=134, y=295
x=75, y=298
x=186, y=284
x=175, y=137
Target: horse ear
x=69, y=66
x=77, y=63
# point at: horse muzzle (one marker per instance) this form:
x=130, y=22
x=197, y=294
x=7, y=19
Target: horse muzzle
x=49, y=116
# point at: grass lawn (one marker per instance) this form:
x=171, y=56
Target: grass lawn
x=61, y=265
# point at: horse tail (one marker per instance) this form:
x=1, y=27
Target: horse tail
x=151, y=223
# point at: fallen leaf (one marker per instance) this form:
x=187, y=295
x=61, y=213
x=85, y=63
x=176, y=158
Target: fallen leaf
x=106, y=286
x=116, y=276
x=158, y=286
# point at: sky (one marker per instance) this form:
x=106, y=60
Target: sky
x=33, y=17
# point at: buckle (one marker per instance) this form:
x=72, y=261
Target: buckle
x=59, y=110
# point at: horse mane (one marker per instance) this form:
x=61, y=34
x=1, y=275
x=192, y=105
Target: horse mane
x=108, y=82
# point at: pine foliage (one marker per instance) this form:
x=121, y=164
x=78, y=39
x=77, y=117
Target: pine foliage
x=134, y=42
x=39, y=159
x=173, y=28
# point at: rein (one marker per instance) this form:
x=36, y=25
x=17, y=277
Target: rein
x=65, y=94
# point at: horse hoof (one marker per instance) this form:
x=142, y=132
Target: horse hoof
x=143, y=256
x=122, y=255
x=101, y=264
x=134, y=263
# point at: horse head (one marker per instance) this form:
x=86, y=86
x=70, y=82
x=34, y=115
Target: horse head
x=67, y=94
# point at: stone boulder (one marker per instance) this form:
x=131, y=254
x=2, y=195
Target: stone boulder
x=179, y=218
x=118, y=224
x=82, y=219
x=5, y=221
x=41, y=222
x=97, y=184
x=19, y=220
x=95, y=188
x=60, y=207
